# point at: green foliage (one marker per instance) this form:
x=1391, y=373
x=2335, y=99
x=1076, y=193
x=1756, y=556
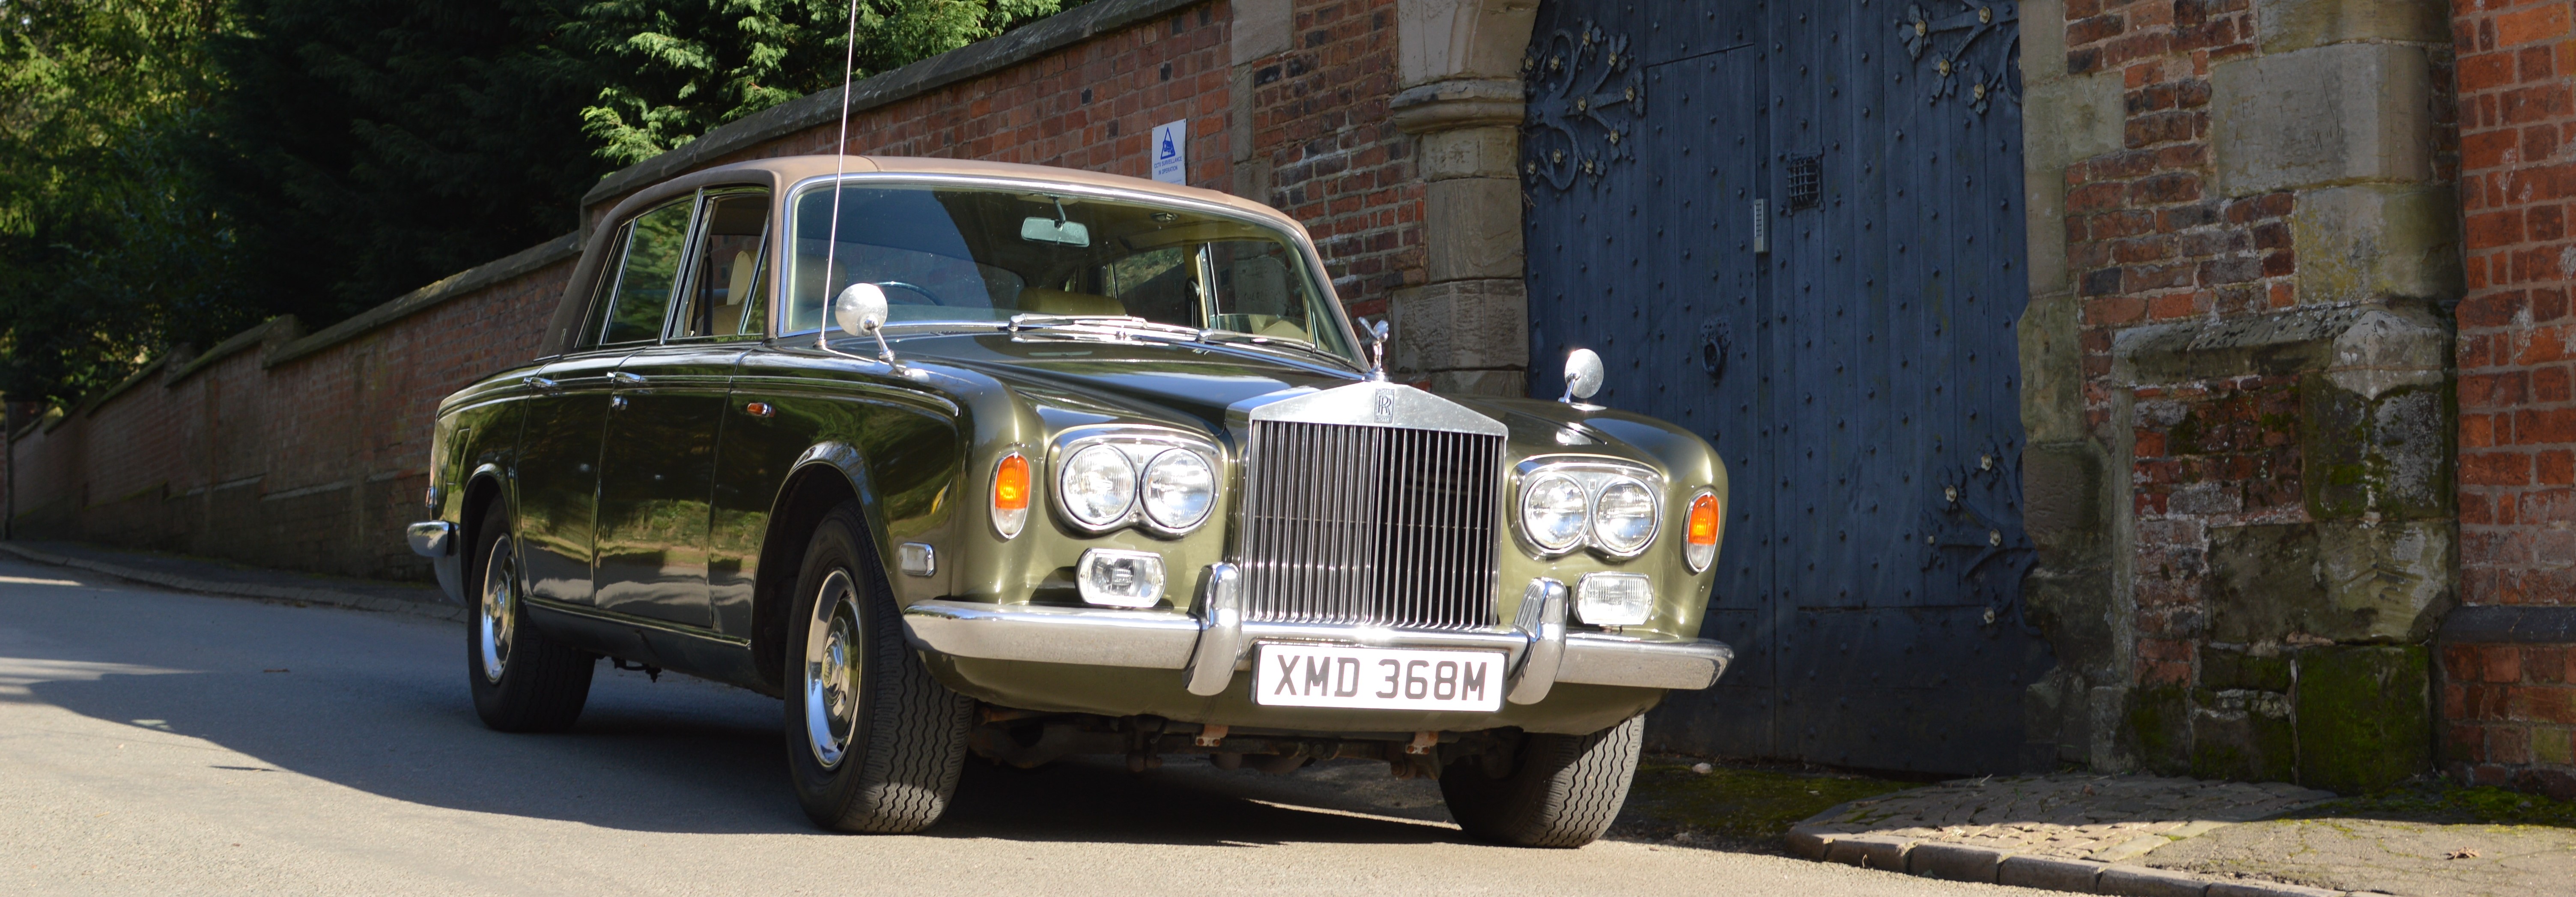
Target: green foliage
x=107, y=244
x=674, y=69
x=174, y=170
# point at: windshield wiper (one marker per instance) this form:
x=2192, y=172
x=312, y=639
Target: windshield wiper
x=1284, y=342
x=1130, y=325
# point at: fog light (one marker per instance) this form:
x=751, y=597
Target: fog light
x=1614, y=599
x=1113, y=578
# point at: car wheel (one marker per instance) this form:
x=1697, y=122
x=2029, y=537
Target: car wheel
x=1559, y=790
x=873, y=742
x=522, y=681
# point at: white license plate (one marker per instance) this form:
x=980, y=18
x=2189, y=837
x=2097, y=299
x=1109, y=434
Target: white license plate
x=1377, y=678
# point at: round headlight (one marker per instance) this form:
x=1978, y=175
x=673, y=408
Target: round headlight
x=1552, y=511
x=1624, y=517
x=1179, y=489
x=1098, y=485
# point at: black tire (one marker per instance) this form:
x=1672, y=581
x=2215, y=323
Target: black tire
x=901, y=735
x=1562, y=791
x=542, y=684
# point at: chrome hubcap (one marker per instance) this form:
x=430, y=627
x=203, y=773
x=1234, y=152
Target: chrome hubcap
x=831, y=690
x=499, y=616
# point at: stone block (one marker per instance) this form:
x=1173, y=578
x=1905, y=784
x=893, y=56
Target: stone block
x=2086, y=115
x=1470, y=153
x=1472, y=229
x=2141, y=881
x=2335, y=114
x=2226, y=668
x=2158, y=726
x=2266, y=889
x=2052, y=363
x=1955, y=862
x=2387, y=457
x=2285, y=25
x=2365, y=716
x=2371, y=242
x=1262, y=28
x=1459, y=325
x=2062, y=488
x=1441, y=39
x=2243, y=735
x=1870, y=852
x=2043, y=44
x=2343, y=581
x=2049, y=873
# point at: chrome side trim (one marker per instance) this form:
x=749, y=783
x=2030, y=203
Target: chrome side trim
x=1220, y=643
x=431, y=539
x=1604, y=659
x=1542, y=622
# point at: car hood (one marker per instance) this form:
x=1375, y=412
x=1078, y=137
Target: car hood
x=1075, y=381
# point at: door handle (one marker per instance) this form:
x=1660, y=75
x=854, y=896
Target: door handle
x=623, y=378
x=617, y=403
x=541, y=383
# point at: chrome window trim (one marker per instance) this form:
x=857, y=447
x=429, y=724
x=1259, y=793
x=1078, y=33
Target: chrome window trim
x=1593, y=473
x=1124, y=436
x=785, y=212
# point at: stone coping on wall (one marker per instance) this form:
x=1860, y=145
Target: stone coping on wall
x=450, y=287
x=983, y=57
x=285, y=324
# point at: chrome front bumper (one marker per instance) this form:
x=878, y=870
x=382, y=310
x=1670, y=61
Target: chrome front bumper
x=436, y=540
x=1210, y=647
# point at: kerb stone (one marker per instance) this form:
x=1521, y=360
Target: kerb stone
x=1955, y=862
x=1870, y=852
x=2049, y=873
x=2266, y=889
x=2140, y=881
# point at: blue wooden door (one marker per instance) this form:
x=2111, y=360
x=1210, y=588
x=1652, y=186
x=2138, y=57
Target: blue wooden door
x=1795, y=228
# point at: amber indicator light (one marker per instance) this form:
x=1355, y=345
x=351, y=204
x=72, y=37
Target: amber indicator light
x=1011, y=484
x=1703, y=520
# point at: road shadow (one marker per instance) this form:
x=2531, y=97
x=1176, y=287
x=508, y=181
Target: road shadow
x=684, y=756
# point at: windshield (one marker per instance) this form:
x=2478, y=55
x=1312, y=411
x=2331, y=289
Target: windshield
x=946, y=253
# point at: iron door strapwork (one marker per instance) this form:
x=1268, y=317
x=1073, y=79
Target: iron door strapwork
x=1795, y=228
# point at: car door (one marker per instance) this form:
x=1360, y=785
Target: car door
x=666, y=414
x=558, y=469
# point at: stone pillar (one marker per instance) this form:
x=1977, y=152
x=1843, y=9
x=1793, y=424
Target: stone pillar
x=1261, y=29
x=1466, y=329
x=2072, y=508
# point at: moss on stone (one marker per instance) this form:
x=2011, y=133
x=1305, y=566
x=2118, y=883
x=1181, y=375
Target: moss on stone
x=1736, y=805
x=2365, y=716
x=2159, y=718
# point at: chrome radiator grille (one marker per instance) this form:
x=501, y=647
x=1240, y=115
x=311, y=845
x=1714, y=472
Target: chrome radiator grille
x=1369, y=526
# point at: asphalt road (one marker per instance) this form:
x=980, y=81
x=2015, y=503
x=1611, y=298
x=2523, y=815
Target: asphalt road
x=153, y=742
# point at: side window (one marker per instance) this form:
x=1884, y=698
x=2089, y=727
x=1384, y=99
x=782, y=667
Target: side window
x=588, y=336
x=729, y=276
x=643, y=295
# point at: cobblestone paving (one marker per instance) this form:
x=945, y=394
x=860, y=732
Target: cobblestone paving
x=2107, y=818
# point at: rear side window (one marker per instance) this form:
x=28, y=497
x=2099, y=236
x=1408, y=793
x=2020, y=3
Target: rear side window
x=654, y=245
x=728, y=278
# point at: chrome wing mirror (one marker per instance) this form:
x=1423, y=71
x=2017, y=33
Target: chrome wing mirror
x=860, y=310
x=1582, y=375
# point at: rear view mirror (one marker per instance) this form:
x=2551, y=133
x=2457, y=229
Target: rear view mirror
x=1041, y=229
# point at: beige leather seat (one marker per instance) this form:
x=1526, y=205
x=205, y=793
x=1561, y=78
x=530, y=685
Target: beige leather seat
x=1043, y=301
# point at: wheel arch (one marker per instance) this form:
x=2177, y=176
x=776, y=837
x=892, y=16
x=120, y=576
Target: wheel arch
x=822, y=478
x=485, y=486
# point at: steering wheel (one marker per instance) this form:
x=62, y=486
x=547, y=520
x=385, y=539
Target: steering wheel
x=900, y=285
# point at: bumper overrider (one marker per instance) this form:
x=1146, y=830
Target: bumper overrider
x=1212, y=645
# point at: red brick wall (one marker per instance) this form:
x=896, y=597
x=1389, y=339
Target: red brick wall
x=314, y=464
x=2511, y=709
x=1319, y=116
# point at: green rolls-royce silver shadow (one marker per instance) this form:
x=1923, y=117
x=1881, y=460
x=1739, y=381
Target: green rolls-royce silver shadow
x=1014, y=462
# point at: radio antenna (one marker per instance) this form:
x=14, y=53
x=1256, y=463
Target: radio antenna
x=840, y=162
